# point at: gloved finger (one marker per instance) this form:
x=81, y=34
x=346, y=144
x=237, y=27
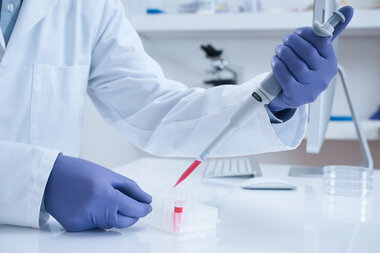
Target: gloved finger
x=323, y=45
x=304, y=50
x=105, y=226
x=78, y=227
x=123, y=221
x=348, y=12
x=281, y=72
x=297, y=66
x=130, y=188
x=130, y=207
x=103, y=222
x=285, y=78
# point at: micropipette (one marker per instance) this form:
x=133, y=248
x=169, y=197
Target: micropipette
x=263, y=95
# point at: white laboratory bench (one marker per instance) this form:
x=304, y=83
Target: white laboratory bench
x=303, y=220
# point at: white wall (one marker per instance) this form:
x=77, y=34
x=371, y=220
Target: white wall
x=183, y=60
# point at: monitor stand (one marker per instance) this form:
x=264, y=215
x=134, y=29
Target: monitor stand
x=306, y=171
x=309, y=171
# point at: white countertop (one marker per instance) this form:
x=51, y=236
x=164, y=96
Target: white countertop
x=303, y=220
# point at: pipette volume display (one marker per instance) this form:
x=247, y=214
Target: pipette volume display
x=268, y=89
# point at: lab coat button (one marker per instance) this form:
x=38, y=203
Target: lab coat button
x=10, y=7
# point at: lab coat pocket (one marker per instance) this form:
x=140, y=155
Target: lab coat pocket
x=57, y=106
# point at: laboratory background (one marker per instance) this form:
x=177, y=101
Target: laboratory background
x=248, y=31
x=330, y=203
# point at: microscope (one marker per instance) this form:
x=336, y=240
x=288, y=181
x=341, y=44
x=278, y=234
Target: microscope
x=220, y=71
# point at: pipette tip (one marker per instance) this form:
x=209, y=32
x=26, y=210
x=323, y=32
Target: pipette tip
x=187, y=172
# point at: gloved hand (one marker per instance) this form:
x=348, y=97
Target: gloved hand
x=82, y=195
x=304, y=65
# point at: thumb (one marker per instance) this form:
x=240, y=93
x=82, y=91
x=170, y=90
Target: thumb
x=348, y=12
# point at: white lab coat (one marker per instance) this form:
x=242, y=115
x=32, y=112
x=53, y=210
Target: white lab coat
x=61, y=50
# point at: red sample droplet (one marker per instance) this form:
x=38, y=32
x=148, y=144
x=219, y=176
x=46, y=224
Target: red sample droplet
x=187, y=172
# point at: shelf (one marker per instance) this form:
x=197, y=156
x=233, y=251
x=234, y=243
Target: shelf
x=364, y=23
x=346, y=131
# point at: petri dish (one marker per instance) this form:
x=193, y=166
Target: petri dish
x=348, y=180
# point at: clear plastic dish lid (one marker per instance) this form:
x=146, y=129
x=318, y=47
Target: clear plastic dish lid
x=348, y=180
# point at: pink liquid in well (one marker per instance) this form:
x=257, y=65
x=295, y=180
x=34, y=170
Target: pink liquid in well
x=177, y=216
x=187, y=172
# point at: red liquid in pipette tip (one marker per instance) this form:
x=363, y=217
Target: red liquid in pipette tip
x=187, y=172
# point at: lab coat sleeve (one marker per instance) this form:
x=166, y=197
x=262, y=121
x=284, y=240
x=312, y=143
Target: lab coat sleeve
x=24, y=171
x=164, y=117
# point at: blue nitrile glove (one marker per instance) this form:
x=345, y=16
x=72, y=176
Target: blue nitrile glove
x=304, y=65
x=82, y=195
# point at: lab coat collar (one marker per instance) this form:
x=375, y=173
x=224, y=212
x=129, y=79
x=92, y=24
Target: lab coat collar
x=32, y=11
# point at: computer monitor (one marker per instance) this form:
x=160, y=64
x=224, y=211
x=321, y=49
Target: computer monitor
x=320, y=110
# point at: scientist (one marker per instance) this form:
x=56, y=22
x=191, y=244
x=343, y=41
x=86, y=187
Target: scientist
x=54, y=52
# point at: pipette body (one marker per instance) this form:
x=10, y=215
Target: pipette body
x=266, y=92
